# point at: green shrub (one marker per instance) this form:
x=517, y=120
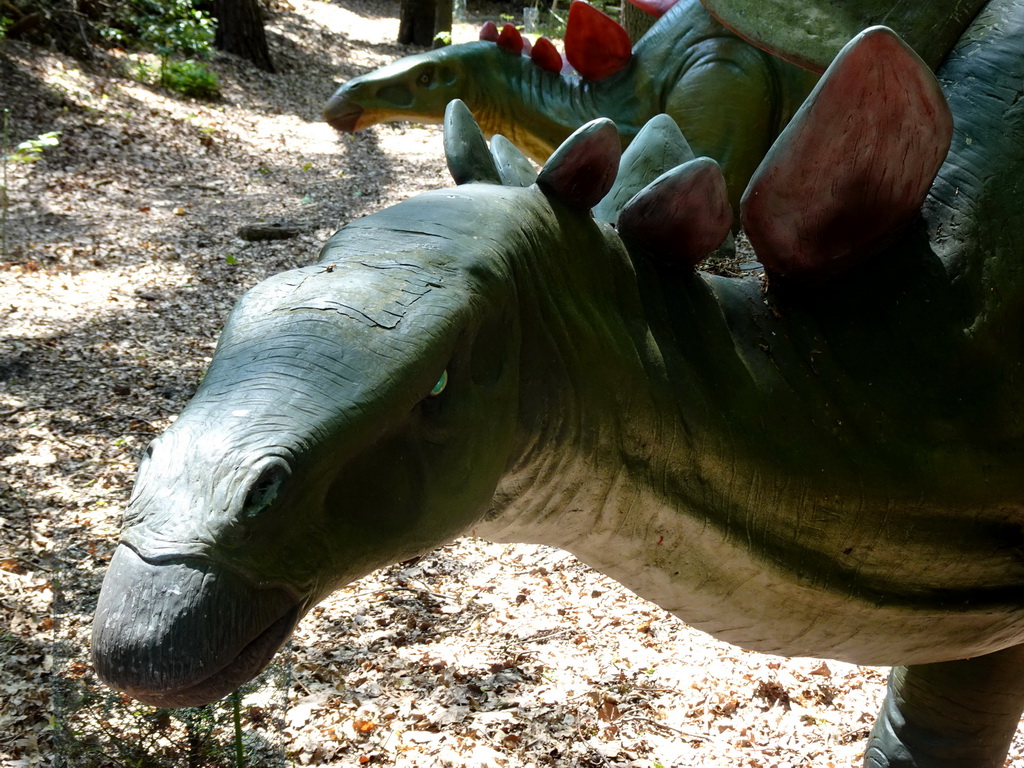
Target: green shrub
x=177, y=27
x=187, y=77
x=31, y=150
x=190, y=78
x=169, y=28
x=166, y=27
x=143, y=71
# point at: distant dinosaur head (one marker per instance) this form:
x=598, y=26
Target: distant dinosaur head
x=419, y=87
x=414, y=87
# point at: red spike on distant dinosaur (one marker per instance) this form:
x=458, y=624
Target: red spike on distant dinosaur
x=654, y=7
x=595, y=44
x=510, y=39
x=489, y=31
x=546, y=56
x=527, y=46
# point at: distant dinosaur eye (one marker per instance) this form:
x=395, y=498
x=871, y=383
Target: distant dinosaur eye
x=425, y=79
x=441, y=384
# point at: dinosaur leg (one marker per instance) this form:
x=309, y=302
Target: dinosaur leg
x=957, y=713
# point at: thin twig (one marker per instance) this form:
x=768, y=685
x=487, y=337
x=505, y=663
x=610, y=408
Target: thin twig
x=372, y=592
x=236, y=711
x=656, y=724
x=541, y=637
x=3, y=185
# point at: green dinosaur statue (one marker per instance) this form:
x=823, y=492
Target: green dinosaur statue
x=825, y=463
x=730, y=98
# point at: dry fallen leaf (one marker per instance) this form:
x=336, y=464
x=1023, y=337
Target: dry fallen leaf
x=364, y=726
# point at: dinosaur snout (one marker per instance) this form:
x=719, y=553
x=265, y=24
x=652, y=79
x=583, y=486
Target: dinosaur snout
x=363, y=102
x=342, y=111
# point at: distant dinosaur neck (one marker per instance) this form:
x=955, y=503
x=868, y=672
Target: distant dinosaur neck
x=537, y=109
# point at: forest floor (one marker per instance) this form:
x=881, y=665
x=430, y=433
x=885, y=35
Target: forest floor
x=121, y=259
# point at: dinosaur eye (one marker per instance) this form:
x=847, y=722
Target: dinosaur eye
x=441, y=384
x=425, y=79
x=265, y=488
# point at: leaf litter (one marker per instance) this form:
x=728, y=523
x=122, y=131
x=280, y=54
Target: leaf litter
x=123, y=259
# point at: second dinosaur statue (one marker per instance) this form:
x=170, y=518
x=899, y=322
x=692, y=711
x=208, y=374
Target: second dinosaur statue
x=730, y=98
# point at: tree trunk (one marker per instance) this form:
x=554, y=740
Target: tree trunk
x=635, y=21
x=443, y=12
x=420, y=21
x=240, y=31
x=57, y=23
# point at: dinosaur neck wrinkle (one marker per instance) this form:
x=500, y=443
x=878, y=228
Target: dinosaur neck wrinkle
x=600, y=426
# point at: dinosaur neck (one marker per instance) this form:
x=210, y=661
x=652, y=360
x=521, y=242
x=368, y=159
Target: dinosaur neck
x=587, y=406
x=684, y=437
x=537, y=109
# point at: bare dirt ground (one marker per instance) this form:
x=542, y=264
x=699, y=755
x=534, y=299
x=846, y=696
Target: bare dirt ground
x=121, y=263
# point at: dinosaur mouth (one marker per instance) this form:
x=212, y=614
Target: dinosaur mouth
x=248, y=664
x=344, y=116
x=185, y=633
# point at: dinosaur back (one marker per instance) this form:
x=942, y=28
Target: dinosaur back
x=811, y=32
x=973, y=210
